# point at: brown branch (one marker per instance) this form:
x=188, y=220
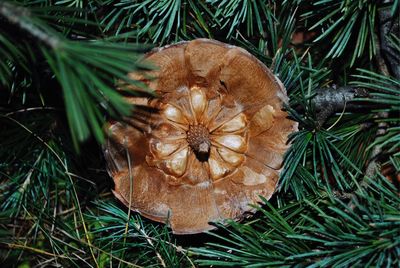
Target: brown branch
x=373, y=164
x=389, y=64
x=387, y=55
x=328, y=101
x=332, y=100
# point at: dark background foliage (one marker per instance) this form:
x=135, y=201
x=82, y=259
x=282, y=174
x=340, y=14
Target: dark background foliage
x=338, y=197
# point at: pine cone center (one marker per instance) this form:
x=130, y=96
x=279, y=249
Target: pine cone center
x=199, y=140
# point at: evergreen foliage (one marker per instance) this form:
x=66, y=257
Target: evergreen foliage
x=63, y=73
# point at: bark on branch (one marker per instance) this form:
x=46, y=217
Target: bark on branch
x=328, y=101
x=389, y=27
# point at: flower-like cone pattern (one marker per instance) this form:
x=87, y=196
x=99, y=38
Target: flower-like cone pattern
x=209, y=145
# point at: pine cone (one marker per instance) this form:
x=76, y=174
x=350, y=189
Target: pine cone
x=208, y=145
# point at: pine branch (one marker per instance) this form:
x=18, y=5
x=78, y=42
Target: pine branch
x=19, y=16
x=333, y=207
x=318, y=232
x=337, y=21
x=100, y=62
x=328, y=101
x=389, y=25
x=373, y=164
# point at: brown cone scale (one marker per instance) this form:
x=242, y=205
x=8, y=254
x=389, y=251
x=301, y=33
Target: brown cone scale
x=211, y=142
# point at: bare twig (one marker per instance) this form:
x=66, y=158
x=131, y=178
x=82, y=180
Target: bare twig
x=328, y=101
x=338, y=97
x=376, y=151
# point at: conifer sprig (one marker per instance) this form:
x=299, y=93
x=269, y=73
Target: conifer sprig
x=87, y=70
x=319, y=232
x=60, y=65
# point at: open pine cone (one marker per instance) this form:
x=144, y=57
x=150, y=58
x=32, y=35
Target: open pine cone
x=208, y=145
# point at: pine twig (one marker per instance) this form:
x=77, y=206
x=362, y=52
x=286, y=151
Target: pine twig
x=376, y=150
x=384, y=57
x=70, y=178
x=387, y=56
x=147, y=237
x=328, y=101
x=18, y=16
x=372, y=165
